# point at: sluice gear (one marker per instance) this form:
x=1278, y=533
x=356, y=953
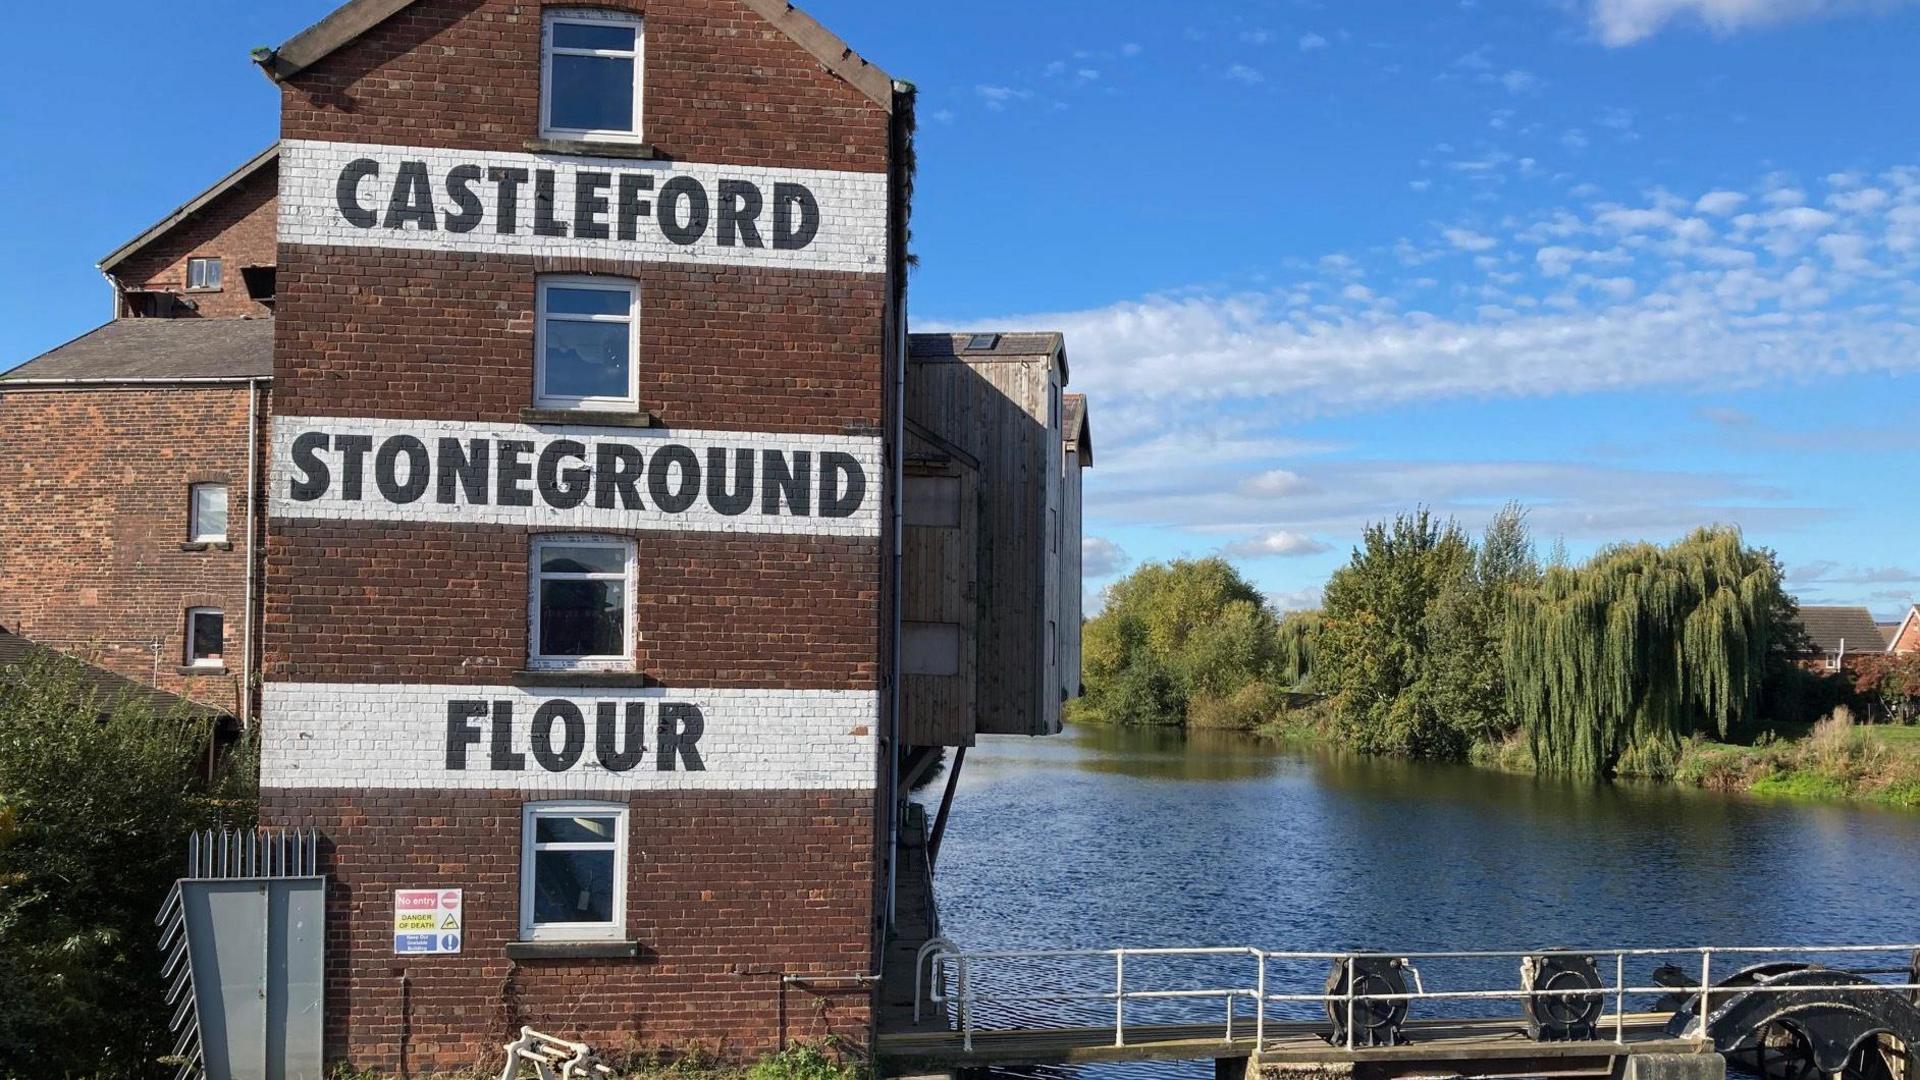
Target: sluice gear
x=1375, y=1022
x=1553, y=1012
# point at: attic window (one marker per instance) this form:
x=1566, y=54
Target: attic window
x=590, y=75
x=983, y=342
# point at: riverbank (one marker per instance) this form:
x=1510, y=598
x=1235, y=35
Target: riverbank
x=1835, y=760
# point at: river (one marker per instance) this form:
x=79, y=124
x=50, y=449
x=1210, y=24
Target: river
x=1098, y=838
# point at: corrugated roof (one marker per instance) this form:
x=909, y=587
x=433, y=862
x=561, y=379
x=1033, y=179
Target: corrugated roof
x=111, y=688
x=1830, y=626
x=148, y=350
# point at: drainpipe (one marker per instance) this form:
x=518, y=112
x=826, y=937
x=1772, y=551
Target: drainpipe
x=897, y=270
x=253, y=514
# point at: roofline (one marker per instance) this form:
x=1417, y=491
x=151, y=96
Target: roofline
x=199, y=202
x=354, y=18
x=1913, y=613
x=156, y=380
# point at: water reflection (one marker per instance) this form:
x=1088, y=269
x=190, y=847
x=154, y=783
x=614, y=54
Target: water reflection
x=1102, y=837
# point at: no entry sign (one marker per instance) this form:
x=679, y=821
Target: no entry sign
x=426, y=921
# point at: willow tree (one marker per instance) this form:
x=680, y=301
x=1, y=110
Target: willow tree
x=1643, y=646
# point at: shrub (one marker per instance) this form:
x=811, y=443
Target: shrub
x=1249, y=708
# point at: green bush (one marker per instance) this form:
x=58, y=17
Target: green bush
x=1251, y=707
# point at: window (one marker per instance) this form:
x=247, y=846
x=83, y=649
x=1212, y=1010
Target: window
x=203, y=273
x=207, y=522
x=206, y=638
x=573, y=871
x=590, y=75
x=587, y=332
x=582, y=604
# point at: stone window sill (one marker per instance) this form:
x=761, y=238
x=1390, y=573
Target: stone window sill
x=200, y=669
x=573, y=950
x=594, y=679
x=589, y=418
x=207, y=545
x=594, y=148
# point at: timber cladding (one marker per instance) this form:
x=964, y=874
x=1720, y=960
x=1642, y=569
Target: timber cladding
x=415, y=477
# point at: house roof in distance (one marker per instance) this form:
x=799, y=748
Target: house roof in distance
x=1830, y=626
x=254, y=166
x=349, y=21
x=15, y=650
x=984, y=346
x=156, y=350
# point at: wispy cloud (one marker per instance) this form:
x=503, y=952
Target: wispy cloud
x=1624, y=22
x=1276, y=544
x=1245, y=75
x=1310, y=41
x=998, y=98
x=1100, y=557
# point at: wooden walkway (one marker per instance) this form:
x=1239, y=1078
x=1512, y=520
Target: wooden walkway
x=1454, y=1047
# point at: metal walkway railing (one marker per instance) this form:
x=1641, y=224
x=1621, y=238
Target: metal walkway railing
x=1046, y=989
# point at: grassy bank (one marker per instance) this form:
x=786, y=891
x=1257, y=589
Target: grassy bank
x=799, y=1062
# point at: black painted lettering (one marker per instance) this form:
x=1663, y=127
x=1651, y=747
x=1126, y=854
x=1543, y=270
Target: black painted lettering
x=683, y=189
x=564, y=489
x=796, y=217
x=544, y=223
x=740, y=205
x=506, y=206
x=843, y=484
x=314, y=478
x=668, y=461
x=619, y=751
x=736, y=498
x=412, y=199
x=460, y=181
x=575, y=733
x=589, y=203
x=779, y=482
x=386, y=469
x=616, y=476
x=347, y=192
x=353, y=463
x=632, y=206
x=679, y=736
x=513, y=473
x=463, y=730
x=504, y=758
x=463, y=465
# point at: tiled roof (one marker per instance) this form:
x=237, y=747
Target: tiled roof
x=138, y=350
x=15, y=650
x=1830, y=626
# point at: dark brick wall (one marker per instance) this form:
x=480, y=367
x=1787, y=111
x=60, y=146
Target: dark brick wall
x=446, y=604
x=93, y=490
x=240, y=229
x=726, y=892
x=723, y=86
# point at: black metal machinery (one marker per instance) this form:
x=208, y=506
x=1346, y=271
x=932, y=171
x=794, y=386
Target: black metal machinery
x=1375, y=1022
x=1794, y=1021
x=1556, y=1010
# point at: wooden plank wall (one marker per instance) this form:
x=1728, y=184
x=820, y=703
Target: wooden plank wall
x=940, y=554
x=1071, y=598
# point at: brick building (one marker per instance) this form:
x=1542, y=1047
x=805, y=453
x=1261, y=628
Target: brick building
x=580, y=576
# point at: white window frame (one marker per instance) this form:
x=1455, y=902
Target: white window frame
x=530, y=814
x=538, y=660
x=187, y=657
x=195, y=533
x=590, y=16
x=630, y=402
x=219, y=273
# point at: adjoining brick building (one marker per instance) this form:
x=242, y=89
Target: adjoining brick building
x=593, y=511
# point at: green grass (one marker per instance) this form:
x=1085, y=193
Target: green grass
x=1800, y=785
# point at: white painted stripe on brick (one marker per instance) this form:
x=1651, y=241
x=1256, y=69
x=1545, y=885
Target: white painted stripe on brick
x=702, y=516
x=320, y=735
x=852, y=234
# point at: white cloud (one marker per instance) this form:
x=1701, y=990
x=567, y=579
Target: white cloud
x=1296, y=600
x=1624, y=22
x=1241, y=73
x=1100, y=557
x=1276, y=483
x=1520, y=82
x=1310, y=41
x=1468, y=240
x=1719, y=203
x=1275, y=544
x=999, y=97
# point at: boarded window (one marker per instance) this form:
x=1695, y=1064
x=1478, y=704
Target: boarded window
x=930, y=648
x=933, y=502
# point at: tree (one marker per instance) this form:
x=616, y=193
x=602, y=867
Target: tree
x=97, y=798
x=1170, y=632
x=1465, y=626
x=1643, y=646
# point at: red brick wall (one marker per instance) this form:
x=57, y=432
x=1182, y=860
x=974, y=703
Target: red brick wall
x=93, y=487
x=728, y=889
x=726, y=892
x=240, y=229
x=1909, y=639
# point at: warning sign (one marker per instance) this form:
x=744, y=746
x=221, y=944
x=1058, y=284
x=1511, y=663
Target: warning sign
x=426, y=921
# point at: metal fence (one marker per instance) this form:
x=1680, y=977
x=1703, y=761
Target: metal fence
x=1040, y=989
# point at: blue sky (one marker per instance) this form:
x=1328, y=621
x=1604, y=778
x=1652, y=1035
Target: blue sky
x=1639, y=264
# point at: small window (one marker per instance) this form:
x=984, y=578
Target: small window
x=573, y=871
x=208, y=517
x=203, y=273
x=590, y=75
x=206, y=638
x=587, y=333
x=582, y=604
